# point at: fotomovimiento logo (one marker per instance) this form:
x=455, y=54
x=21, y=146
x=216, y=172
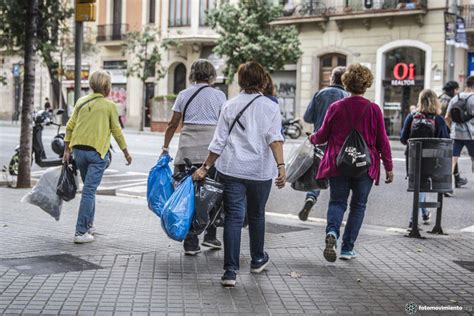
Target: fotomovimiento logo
x=411, y=308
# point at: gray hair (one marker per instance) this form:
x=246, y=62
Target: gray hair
x=336, y=75
x=202, y=70
x=100, y=82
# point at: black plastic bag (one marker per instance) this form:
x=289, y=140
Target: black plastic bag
x=67, y=187
x=217, y=216
x=208, y=197
x=308, y=181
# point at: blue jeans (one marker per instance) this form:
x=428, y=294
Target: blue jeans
x=340, y=188
x=92, y=168
x=313, y=193
x=239, y=195
x=424, y=211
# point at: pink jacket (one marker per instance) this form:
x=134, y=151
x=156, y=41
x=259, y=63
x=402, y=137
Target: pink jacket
x=341, y=117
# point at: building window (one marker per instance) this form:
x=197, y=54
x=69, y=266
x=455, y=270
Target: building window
x=179, y=82
x=327, y=64
x=179, y=13
x=204, y=7
x=151, y=11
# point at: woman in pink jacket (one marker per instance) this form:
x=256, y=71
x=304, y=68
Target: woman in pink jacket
x=366, y=117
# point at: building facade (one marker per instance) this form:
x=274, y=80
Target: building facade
x=402, y=42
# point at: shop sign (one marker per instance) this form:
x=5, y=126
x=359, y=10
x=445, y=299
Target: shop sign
x=404, y=75
x=470, y=65
x=69, y=72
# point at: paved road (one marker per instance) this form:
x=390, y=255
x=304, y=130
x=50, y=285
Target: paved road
x=389, y=205
x=133, y=268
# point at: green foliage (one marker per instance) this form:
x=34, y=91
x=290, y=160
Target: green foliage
x=52, y=23
x=245, y=35
x=145, y=49
x=168, y=97
x=3, y=80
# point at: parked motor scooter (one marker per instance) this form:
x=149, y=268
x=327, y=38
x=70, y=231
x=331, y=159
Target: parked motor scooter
x=40, y=119
x=292, y=127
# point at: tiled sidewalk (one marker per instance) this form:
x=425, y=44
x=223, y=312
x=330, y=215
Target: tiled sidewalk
x=143, y=272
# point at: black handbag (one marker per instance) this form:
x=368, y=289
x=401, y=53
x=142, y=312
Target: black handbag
x=67, y=187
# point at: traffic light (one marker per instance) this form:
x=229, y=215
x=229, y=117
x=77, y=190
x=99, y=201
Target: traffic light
x=368, y=4
x=85, y=10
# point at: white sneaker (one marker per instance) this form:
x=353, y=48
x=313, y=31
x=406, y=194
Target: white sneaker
x=91, y=230
x=84, y=238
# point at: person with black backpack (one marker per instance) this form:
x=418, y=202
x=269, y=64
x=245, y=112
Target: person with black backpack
x=354, y=131
x=460, y=119
x=450, y=89
x=197, y=108
x=426, y=122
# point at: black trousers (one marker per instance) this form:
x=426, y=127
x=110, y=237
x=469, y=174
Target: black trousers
x=192, y=241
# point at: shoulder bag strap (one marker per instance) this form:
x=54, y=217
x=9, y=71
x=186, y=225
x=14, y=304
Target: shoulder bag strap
x=82, y=105
x=239, y=115
x=191, y=99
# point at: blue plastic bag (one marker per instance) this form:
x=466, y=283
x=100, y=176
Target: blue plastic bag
x=178, y=212
x=160, y=185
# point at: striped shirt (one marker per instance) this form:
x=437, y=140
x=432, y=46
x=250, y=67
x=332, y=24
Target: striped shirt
x=204, y=109
x=246, y=154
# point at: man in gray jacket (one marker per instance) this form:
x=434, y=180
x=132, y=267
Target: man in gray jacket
x=315, y=113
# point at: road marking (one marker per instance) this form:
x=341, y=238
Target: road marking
x=396, y=230
x=469, y=229
x=292, y=216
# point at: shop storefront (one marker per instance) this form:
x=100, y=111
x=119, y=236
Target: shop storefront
x=118, y=94
x=402, y=83
x=402, y=73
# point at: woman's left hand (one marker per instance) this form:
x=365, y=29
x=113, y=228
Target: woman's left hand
x=199, y=174
x=281, y=179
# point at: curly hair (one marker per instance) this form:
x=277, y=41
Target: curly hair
x=202, y=70
x=252, y=77
x=357, y=78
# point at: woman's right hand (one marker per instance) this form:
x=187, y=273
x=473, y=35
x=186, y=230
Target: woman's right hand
x=389, y=177
x=281, y=179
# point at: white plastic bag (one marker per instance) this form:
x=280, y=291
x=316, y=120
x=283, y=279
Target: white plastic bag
x=300, y=161
x=44, y=194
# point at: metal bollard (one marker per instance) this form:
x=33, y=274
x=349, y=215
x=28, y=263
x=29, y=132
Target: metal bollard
x=415, y=233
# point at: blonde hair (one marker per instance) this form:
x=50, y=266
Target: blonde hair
x=100, y=82
x=428, y=102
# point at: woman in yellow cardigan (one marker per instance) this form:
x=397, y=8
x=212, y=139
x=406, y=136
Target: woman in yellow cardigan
x=88, y=133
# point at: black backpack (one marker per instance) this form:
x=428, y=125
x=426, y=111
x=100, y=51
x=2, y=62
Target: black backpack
x=354, y=158
x=422, y=126
x=459, y=110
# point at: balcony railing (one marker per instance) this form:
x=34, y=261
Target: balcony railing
x=111, y=32
x=467, y=12
x=320, y=8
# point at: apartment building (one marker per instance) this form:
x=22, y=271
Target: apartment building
x=403, y=42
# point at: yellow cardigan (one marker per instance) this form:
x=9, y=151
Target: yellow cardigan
x=92, y=124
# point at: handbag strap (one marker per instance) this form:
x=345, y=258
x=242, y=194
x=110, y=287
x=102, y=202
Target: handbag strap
x=191, y=99
x=82, y=105
x=239, y=115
